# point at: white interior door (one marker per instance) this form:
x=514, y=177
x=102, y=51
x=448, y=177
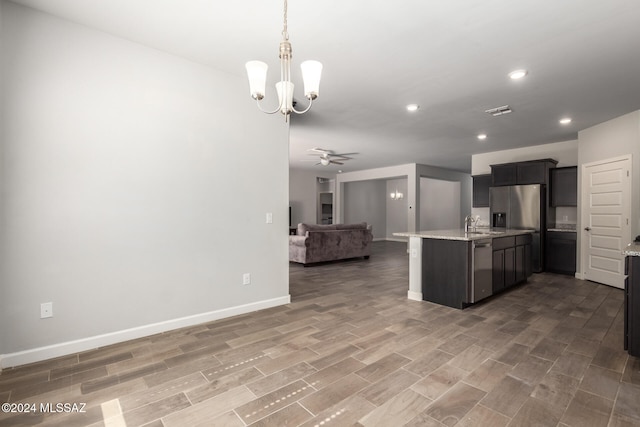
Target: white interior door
x=606, y=202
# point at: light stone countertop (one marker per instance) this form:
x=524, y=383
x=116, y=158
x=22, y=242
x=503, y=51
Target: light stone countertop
x=632, y=249
x=459, y=234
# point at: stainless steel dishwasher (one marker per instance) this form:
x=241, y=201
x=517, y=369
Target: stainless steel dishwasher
x=482, y=279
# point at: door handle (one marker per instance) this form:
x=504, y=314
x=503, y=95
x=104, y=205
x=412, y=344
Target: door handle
x=587, y=228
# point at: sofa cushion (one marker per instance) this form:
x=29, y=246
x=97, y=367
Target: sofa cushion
x=303, y=228
x=358, y=226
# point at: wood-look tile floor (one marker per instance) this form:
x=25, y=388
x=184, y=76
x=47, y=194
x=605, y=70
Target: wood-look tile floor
x=352, y=350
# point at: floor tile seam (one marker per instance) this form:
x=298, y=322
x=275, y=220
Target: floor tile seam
x=608, y=369
x=596, y=395
x=84, y=370
x=615, y=401
x=385, y=376
x=278, y=399
x=235, y=412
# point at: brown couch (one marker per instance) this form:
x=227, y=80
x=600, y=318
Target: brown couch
x=319, y=243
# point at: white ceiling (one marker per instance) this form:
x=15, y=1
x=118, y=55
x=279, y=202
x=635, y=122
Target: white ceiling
x=451, y=57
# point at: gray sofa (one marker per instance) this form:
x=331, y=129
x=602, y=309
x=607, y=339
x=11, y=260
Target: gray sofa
x=319, y=243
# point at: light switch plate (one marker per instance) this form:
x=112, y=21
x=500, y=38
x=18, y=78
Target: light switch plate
x=269, y=218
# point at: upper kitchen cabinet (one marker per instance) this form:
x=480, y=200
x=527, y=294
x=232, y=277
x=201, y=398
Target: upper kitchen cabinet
x=529, y=172
x=503, y=174
x=564, y=186
x=481, y=184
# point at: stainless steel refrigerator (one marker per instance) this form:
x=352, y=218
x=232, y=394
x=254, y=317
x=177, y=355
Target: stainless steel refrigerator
x=521, y=207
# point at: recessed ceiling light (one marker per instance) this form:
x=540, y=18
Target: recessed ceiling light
x=413, y=107
x=565, y=120
x=517, y=74
x=482, y=136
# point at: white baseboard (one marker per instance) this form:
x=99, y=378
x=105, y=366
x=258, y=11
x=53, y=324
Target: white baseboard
x=397, y=239
x=84, y=344
x=415, y=296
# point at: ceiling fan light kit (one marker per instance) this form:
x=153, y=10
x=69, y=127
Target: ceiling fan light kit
x=311, y=73
x=327, y=157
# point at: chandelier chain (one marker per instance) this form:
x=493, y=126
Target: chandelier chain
x=285, y=32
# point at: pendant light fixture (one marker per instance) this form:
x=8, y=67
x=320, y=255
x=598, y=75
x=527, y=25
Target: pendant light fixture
x=311, y=71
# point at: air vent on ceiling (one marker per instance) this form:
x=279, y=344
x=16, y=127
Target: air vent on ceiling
x=498, y=111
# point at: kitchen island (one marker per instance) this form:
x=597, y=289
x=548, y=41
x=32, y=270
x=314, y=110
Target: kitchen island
x=632, y=299
x=457, y=268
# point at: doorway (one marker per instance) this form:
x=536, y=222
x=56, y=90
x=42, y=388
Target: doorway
x=606, y=212
x=325, y=208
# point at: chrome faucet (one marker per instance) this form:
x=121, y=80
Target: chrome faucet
x=468, y=221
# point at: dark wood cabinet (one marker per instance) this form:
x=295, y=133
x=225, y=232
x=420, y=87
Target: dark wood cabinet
x=519, y=264
x=520, y=173
x=511, y=261
x=481, y=184
x=503, y=174
x=498, y=271
x=531, y=172
x=632, y=306
x=564, y=186
x=509, y=267
x=446, y=268
x=561, y=252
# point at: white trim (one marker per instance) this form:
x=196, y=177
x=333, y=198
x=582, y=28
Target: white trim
x=84, y=344
x=414, y=296
x=400, y=240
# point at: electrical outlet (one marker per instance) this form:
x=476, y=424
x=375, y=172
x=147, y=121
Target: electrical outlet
x=46, y=310
x=269, y=218
x=246, y=279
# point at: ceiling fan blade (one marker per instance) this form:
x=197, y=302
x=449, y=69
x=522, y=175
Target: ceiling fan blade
x=335, y=163
x=344, y=154
x=319, y=150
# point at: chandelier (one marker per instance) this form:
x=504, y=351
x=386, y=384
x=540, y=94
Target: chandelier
x=311, y=71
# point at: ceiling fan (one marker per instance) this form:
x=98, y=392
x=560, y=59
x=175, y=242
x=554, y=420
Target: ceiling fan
x=328, y=157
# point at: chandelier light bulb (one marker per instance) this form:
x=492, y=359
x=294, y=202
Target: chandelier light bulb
x=311, y=73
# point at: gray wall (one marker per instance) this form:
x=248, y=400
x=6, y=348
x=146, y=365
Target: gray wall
x=439, y=204
x=413, y=172
x=396, y=209
x=365, y=201
x=134, y=190
x=303, y=196
x=611, y=139
x=466, y=184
